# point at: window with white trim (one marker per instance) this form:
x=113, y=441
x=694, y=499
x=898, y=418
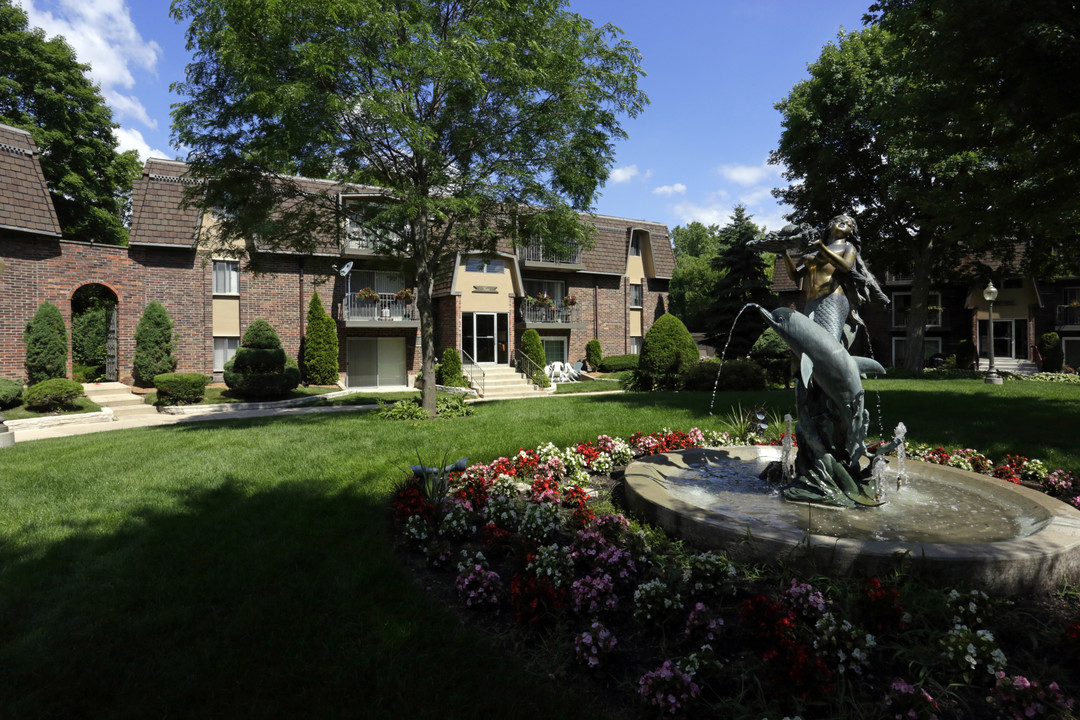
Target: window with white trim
x=478, y=264
x=554, y=349
x=224, y=349
x=226, y=277
x=901, y=303
x=636, y=295
x=635, y=345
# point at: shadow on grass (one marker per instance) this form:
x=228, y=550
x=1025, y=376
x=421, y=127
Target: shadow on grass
x=280, y=602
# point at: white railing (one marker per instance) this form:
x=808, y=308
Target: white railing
x=534, y=313
x=385, y=308
x=471, y=370
x=537, y=252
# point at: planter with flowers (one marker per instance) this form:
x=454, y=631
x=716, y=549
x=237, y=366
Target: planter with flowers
x=367, y=294
x=404, y=295
x=569, y=300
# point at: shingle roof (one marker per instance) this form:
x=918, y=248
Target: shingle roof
x=25, y=204
x=159, y=217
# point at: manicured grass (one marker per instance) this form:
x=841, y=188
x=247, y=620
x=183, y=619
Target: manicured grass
x=587, y=385
x=244, y=568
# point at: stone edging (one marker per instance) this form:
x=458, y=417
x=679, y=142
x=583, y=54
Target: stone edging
x=106, y=415
x=240, y=407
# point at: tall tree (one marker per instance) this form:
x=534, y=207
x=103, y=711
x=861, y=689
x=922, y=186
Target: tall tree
x=464, y=112
x=694, y=277
x=1003, y=80
x=45, y=90
x=850, y=145
x=744, y=280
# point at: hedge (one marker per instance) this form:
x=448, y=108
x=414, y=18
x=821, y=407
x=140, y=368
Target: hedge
x=180, y=388
x=618, y=363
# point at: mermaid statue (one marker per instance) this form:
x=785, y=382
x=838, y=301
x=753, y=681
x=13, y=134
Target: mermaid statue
x=833, y=421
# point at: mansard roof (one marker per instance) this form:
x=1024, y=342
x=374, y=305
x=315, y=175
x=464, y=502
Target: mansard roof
x=25, y=204
x=159, y=217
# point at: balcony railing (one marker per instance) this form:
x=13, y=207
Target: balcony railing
x=538, y=252
x=557, y=313
x=1068, y=315
x=386, y=308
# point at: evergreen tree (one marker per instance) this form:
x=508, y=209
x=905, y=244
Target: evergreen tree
x=694, y=277
x=46, y=345
x=260, y=368
x=320, y=345
x=667, y=352
x=154, y=345
x=745, y=280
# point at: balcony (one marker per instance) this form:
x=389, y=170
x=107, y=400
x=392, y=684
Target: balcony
x=1068, y=315
x=537, y=255
x=535, y=315
x=384, y=312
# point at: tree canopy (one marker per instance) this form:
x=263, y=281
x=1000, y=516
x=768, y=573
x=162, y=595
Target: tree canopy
x=694, y=278
x=1001, y=82
x=45, y=90
x=463, y=113
x=744, y=279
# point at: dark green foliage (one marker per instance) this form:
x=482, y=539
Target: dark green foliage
x=87, y=373
x=320, y=345
x=450, y=369
x=533, y=348
x=54, y=394
x=261, y=334
x=772, y=354
x=618, y=363
x=261, y=369
x=46, y=344
x=445, y=406
x=1053, y=356
x=594, y=354
x=10, y=393
x=965, y=354
x=744, y=280
x=154, y=345
x=667, y=352
x=45, y=90
x=734, y=375
x=88, y=334
x=180, y=388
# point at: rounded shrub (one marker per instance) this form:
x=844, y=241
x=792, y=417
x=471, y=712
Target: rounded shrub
x=320, y=345
x=594, y=353
x=180, y=388
x=450, y=373
x=54, y=394
x=260, y=369
x=154, y=345
x=10, y=393
x=1053, y=356
x=46, y=344
x=772, y=355
x=667, y=352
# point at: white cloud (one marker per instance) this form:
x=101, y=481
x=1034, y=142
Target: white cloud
x=711, y=214
x=131, y=139
x=747, y=175
x=757, y=196
x=669, y=190
x=103, y=35
x=624, y=174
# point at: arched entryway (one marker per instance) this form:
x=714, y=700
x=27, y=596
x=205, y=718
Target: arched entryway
x=94, y=345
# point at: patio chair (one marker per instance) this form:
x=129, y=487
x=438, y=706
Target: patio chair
x=573, y=373
x=557, y=372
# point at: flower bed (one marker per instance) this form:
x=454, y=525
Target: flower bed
x=534, y=546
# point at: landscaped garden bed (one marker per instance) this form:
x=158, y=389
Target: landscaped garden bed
x=533, y=549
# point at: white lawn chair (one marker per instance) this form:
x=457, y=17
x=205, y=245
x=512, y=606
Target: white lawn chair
x=573, y=373
x=557, y=372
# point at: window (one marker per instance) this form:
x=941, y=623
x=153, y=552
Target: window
x=554, y=349
x=635, y=245
x=226, y=277
x=635, y=295
x=384, y=283
x=224, y=349
x=553, y=288
x=477, y=264
x=635, y=345
x=362, y=231
x=901, y=303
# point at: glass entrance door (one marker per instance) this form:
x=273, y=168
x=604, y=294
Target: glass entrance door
x=484, y=337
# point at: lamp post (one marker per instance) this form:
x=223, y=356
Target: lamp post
x=990, y=295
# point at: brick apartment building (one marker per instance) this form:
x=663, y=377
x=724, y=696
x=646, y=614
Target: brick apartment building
x=612, y=291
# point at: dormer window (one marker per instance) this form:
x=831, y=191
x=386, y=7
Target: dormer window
x=362, y=231
x=635, y=245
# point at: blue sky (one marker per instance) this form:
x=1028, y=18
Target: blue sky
x=715, y=70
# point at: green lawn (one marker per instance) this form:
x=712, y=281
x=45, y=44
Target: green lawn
x=244, y=569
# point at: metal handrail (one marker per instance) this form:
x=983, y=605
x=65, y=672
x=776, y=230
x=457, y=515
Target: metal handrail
x=524, y=364
x=467, y=366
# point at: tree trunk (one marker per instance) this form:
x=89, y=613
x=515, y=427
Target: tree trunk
x=915, y=332
x=424, y=287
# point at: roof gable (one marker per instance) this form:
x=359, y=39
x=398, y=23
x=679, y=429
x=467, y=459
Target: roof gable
x=25, y=203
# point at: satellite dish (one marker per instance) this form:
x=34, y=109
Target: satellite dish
x=345, y=270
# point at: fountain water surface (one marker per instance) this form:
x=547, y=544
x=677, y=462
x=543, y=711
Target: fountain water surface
x=954, y=524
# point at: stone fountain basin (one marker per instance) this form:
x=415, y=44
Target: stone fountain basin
x=954, y=525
